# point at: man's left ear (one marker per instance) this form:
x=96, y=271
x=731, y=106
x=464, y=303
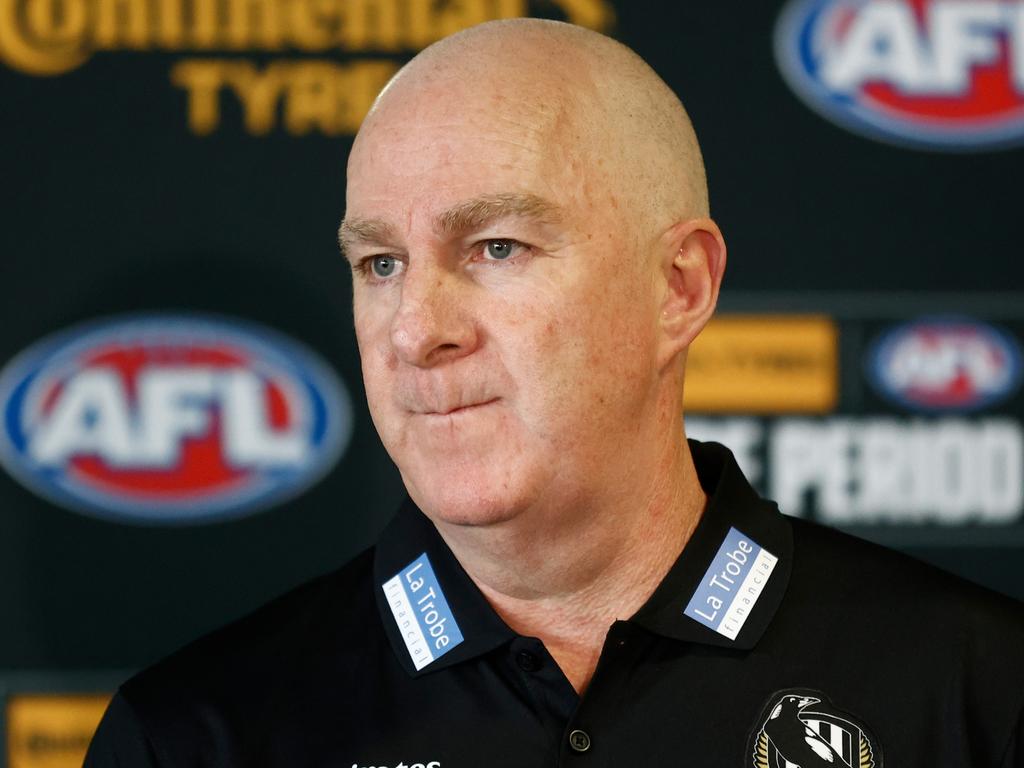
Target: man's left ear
x=693, y=263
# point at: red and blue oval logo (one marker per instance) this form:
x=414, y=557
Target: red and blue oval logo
x=947, y=364
x=169, y=419
x=939, y=74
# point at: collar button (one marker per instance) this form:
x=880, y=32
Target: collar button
x=528, y=662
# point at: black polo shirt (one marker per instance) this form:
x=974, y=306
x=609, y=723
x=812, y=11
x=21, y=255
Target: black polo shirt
x=771, y=643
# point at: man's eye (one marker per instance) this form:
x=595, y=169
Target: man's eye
x=383, y=266
x=499, y=250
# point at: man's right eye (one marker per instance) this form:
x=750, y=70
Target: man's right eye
x=379, y=268
x=383, y=266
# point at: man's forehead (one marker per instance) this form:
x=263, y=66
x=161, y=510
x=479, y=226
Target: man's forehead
x=454, y=175
x=406, y=140
x=441, y=152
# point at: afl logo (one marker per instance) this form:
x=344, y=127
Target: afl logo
x=945, y=365
x=943, y=74
x=170, y=419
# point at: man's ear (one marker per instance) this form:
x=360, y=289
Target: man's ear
x=693, y=262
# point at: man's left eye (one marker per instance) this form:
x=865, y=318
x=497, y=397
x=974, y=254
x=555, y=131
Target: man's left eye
x=499, y=250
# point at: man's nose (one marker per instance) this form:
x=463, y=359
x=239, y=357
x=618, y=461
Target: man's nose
x=433, y=323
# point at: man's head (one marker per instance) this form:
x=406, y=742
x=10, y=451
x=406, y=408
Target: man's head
x=527, y=217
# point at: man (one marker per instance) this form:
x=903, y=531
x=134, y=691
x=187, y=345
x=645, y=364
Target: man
x=571, y=582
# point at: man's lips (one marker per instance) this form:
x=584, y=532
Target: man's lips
x=458, y=409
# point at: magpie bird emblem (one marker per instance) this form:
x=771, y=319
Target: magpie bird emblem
x=800, y=728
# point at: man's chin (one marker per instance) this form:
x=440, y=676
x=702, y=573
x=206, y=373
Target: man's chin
x=469, y=504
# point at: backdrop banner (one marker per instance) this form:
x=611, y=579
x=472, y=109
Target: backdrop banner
x=184, y=429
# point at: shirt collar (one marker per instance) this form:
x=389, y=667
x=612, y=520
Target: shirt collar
x=409, y=535
x=732, y=503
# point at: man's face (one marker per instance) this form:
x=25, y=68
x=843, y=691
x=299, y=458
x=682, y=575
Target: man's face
x=505, y=316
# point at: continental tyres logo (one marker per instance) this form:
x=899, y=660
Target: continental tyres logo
x=763, y=364
x=328, y=58
x=51, y=731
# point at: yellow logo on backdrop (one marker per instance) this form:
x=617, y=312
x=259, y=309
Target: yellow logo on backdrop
x=51, y=731
x=763, y=364
x=52, y=37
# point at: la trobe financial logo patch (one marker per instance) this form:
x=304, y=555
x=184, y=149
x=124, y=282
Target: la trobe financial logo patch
x=938, y=74
x=170, y=419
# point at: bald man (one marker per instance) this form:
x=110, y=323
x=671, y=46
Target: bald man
x=571, y=581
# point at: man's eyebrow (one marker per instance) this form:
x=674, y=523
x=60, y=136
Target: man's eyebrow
x=480, y=211
x=463, y=217
x=368, y=231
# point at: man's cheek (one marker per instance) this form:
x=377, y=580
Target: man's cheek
x=380, y=399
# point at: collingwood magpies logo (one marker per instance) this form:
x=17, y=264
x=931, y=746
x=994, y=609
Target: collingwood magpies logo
x=799, y=728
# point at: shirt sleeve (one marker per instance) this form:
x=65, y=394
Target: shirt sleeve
x=120, y=741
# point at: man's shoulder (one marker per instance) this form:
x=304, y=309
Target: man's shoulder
x=876, y=584
x=326, y=624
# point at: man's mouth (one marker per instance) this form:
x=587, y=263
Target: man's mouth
x=459, y=409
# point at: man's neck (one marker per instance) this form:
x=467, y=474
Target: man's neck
x=566, y=584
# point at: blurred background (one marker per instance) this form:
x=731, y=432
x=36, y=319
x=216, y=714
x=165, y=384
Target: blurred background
x=184, y=430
